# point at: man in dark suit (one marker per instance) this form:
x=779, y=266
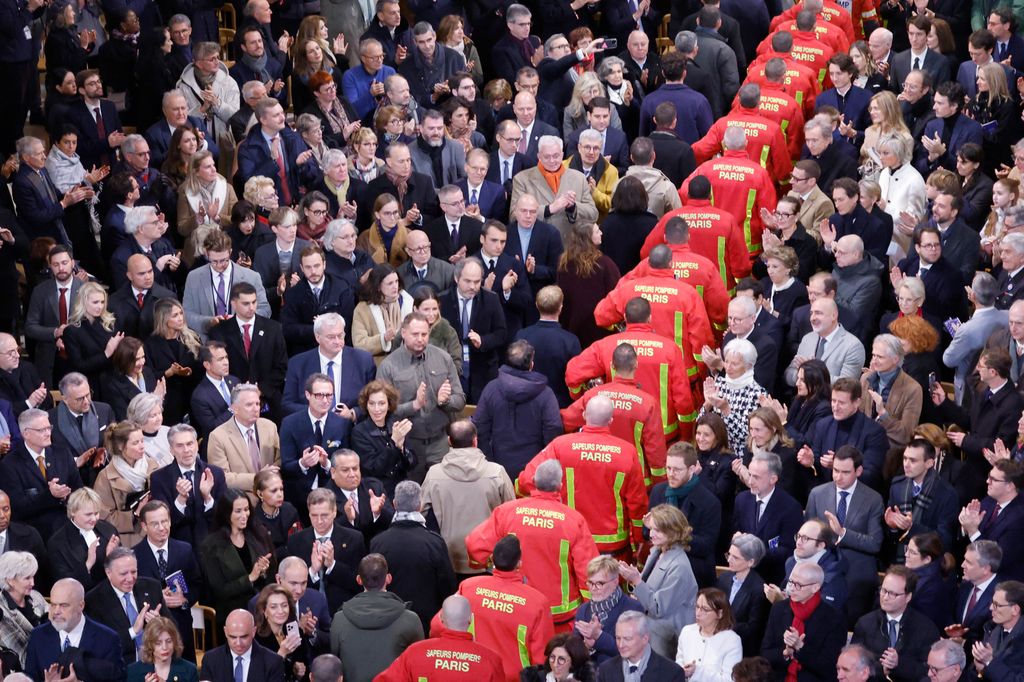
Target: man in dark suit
x=159, y=134
x=536, y=244
x=211, y=397
x=241, y=659
x=506, y=160
x=833, y=162
x=764, y=321
x=145, y=228
x=1009, y=46
x=20, y=537
x=982, y=46
x=918, y=56
x=633, y=640
x=20, y=383
x=189, y=486
x=506, y=276
x=507, y=54
x=529, y=80
x=159, y=555
x=48, y=310
x=672, y=155
x=419, y=191
x=524, y=106
x=79, y=421
x=389, y=28
x=642, y=65
x=330, y=357
x=279, y=263
x=1000, y=516
x=155, y=188
x=478, y=319
x=730, y=30
x=244, y=119
x=364, y=505
x=132, y=304
x=485, y=198
x=896, y=628
x=943, y=282
x=919, y=501
x=94, y=651
x=937, y=148
x=423, y=269
x=38, y=476
x=849, y=100
x=124, y=601
x=40, y=206
x=770, y=513
x=614, y=142
x=307, y=437
x=273, y=150
x=331, y=551
x=316, y=294
x=1011, y=273
x=454, y=235
x=742, y=313
x=99, y=126
x=854, y=513
x=982, y=560
x=255, y=345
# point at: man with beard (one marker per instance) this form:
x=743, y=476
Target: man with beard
x=435, y=155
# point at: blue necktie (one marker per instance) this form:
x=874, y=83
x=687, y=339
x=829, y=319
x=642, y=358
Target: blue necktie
x=129, y=608
x=917, y=489
x=239, y=672
x=841, y=509
x=893, y=636
x=473, y=200
x=225, y=392
x=67, y=643
x=330, y=373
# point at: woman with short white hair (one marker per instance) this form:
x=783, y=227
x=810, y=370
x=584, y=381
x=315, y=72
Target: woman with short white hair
x=903, y=188
x=21, y=607
x=734, y=393
x=147, y=410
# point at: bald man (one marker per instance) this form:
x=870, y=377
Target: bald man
x=258, y=664
x=132, y=304
x=858, y=276
x=840, y=350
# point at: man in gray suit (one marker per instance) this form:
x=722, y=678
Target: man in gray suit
x=207, y=298
x=827, y=341
x=970, y=337
x=854, y=512
x=434, y=152
x=49, y=309
x=422, y=268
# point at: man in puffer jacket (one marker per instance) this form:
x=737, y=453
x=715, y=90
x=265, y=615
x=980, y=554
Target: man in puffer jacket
x=517, y=415
x=462, y=491
x=662, y=195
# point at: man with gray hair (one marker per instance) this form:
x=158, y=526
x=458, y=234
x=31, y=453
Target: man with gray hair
x=586, y=157
x=175, y=109
x=662, y=195
x=855, y=664
x=421, y=570
x=556, y=541
x=79, y=421
x=572, y=202
x=40, y=205
x=517, y=48
x=246, y=444
x=947, y=661
x=969, y=337
x=608, y=469
x=429, y=65
x=155, y=189
x=891, y=397
x=1011, y=276
x=245, y=118
x=1011, y=339
x=145, y=227
x=125, y=601
x=770, y=513
x=636, y=659
x=212, y=93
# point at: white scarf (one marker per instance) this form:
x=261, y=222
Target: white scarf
x=219, y=194
x=740, y=382
x=136, y=474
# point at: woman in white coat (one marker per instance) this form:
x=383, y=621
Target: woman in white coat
x=666, y=588
x=708, y=649
x=903, y=189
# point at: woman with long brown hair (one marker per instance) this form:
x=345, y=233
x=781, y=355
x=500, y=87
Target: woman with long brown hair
x=585, y=276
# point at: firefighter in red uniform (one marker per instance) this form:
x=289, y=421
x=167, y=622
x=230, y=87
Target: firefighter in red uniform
x=636, y=419
x=556, y=542
x=826, y=32
x=800, y=80
x=677, y=310
x=451, y=655
x=732, y=173
x=603, y=480
x=826, y=10
x=780, y=106
x=661, y=369
x=509, y=617
x=713, y=234
x=765, y=142
x=811, y=51
x=691, y=267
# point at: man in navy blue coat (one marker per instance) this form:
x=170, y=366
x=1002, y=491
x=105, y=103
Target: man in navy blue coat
x=849, y=100
x=70, y=640
x=538, y=245
x=211, y=397
x=307, y=438
x=1005, y=526
x=189, y=486
x=559, y=346
x=175, y=115
x=484, y=197
x=40, y=205
x=947, y=132
x=330, y=357
x=272, y=141
x=317, y=293
x=159, y=555
x=271, y=71
x=770, y=513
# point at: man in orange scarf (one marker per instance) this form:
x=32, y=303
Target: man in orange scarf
x=802, y=640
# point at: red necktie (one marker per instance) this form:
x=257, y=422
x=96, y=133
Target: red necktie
x=275, y=151
x=62, y=305
x=973, y=602
x=140, y=298
x=246, y=339
x=101, y=130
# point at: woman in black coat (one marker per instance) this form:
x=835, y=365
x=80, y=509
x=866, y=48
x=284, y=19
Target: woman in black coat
x=993, y=107
x=712, y=442
x=628, y=224
x=749, y=607
x=67, y=549
x=128, y=377
x=152, y=78
x=172, y=351
x=237, y=557
x=565, y=658
x=278, y=516
x=813, y=402
x=783, y=291
x=380, y=438
x=89, y=338
x=246, y=233
x=65, y=46
x=936, y=588
x=977, y=187
x=767, y=434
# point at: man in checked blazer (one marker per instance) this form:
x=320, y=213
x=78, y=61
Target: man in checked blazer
x=858, y=526
x=246, y=444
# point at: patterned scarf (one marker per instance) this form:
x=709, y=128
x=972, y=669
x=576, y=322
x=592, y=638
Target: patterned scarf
x=401, y=185
x=602, y=608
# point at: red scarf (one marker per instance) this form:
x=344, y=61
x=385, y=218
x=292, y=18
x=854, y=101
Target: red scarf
x=801, y=612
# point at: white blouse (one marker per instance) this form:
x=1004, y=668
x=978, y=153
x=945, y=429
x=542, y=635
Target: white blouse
x=715, y=656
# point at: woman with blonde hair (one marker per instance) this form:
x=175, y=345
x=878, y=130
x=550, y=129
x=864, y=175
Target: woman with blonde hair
x=21, y=607
x=385, y=239
x=68, y=547
x=587, y=87
x=89, y=338
x=451, y=33
x=161, y=655
x=993, y=107
x=669, y=593
x=123, y=485
x=886, y=118
x=365, y=164
x=147, y=410
x=172, y=350
x=607, y=602
x=261, y=192
x=585, y=276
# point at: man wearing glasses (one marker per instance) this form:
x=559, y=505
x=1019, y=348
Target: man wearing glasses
x=946, y=661
x=38, y=476
x=944, y=296
x=422, y=269
x=816, y=204
x=815, y=543
x=1001, y=653
x=517, y=48
x=999, y=516
x=897, y=635
x=506, y=160
x=802, y=629
x=363, y=84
